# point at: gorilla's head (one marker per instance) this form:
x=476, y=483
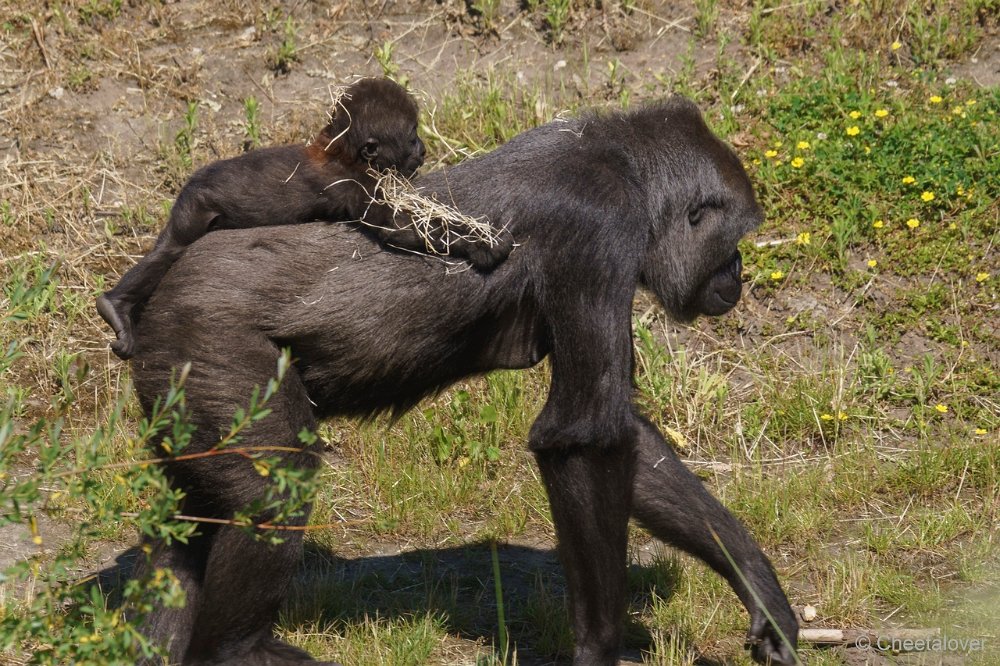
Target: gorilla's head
x=692, y=263
x=375, y=124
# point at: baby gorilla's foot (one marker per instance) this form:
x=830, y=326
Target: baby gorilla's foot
x=482, y=255
x=117, y=316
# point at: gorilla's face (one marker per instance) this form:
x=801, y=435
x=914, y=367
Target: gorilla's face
x=401, y=150
x=693, y=264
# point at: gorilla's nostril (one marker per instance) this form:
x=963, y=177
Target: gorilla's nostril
x=736, y=265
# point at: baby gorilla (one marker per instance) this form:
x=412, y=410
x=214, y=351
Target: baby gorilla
x=374, y=127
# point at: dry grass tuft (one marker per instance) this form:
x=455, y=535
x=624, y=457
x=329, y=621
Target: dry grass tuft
x=433, y=220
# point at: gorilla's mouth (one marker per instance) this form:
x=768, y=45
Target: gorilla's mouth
x=721, y=291
x=731, y=274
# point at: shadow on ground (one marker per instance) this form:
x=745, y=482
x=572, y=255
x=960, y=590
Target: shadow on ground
x=456, y=586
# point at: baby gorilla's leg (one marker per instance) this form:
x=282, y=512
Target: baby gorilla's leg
x=187, y=223
x=117, y=307
x=117, y=313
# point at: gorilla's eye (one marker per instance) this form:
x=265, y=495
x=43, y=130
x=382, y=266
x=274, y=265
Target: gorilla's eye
x=694, y=215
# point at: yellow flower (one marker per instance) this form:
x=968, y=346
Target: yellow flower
x=778, y=144
x=770, y=153
x=868, y=150
x=958, y=111
x=970, y=102
x=982, y=277
x=927, y=196
x=941, y=408
x=952, y=226
x=854, y=115
x=826, y=417
x=909, y=180
x=804, y=238
x=936, y=99
x=980, y=431
x=913, y=223
x=896, y=46
x=960, y=191
x=853, y=130
x=881, y=113
x=872, y=263
x=842, y=416
x=803, y=145
x=777, y=275
x=878, y=224
x=797, y=162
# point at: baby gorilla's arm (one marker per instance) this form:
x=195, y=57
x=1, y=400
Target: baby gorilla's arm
x=399, y=231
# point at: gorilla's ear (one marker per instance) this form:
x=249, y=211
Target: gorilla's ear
x=369, y=151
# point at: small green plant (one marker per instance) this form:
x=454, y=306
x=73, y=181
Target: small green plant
x=79, y=77
x=616, y=83
x=383, y=54
x=390, y=69
x=470, y=436
x=286, y=52
x=138, y=217
x=30, y=291
x=70, y=372
x=556, y=16
x=251, y=126
x=184, y=139
x=92, y=10
x=876, y=374
x=488, y=12
x=755, y=25
x=706, y=14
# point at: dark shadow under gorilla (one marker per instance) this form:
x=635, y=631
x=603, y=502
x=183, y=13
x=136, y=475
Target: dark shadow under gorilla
x=601, y=205
x=447, y=584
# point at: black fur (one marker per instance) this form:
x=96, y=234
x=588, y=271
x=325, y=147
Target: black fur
x=374, y=126
x=602, y=204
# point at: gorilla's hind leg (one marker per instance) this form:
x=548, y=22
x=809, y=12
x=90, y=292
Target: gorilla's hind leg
x=240, y=602
x=172, y=627
x=673, y=504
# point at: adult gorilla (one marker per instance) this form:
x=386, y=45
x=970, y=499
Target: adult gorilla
x=600, y=205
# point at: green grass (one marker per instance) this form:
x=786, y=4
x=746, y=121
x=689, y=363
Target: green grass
x=847, y=412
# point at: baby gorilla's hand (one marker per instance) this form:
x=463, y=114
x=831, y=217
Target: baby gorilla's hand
x=481, y=254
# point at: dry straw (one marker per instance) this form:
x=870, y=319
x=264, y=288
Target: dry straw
x=434, y=221
x=337, y=95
